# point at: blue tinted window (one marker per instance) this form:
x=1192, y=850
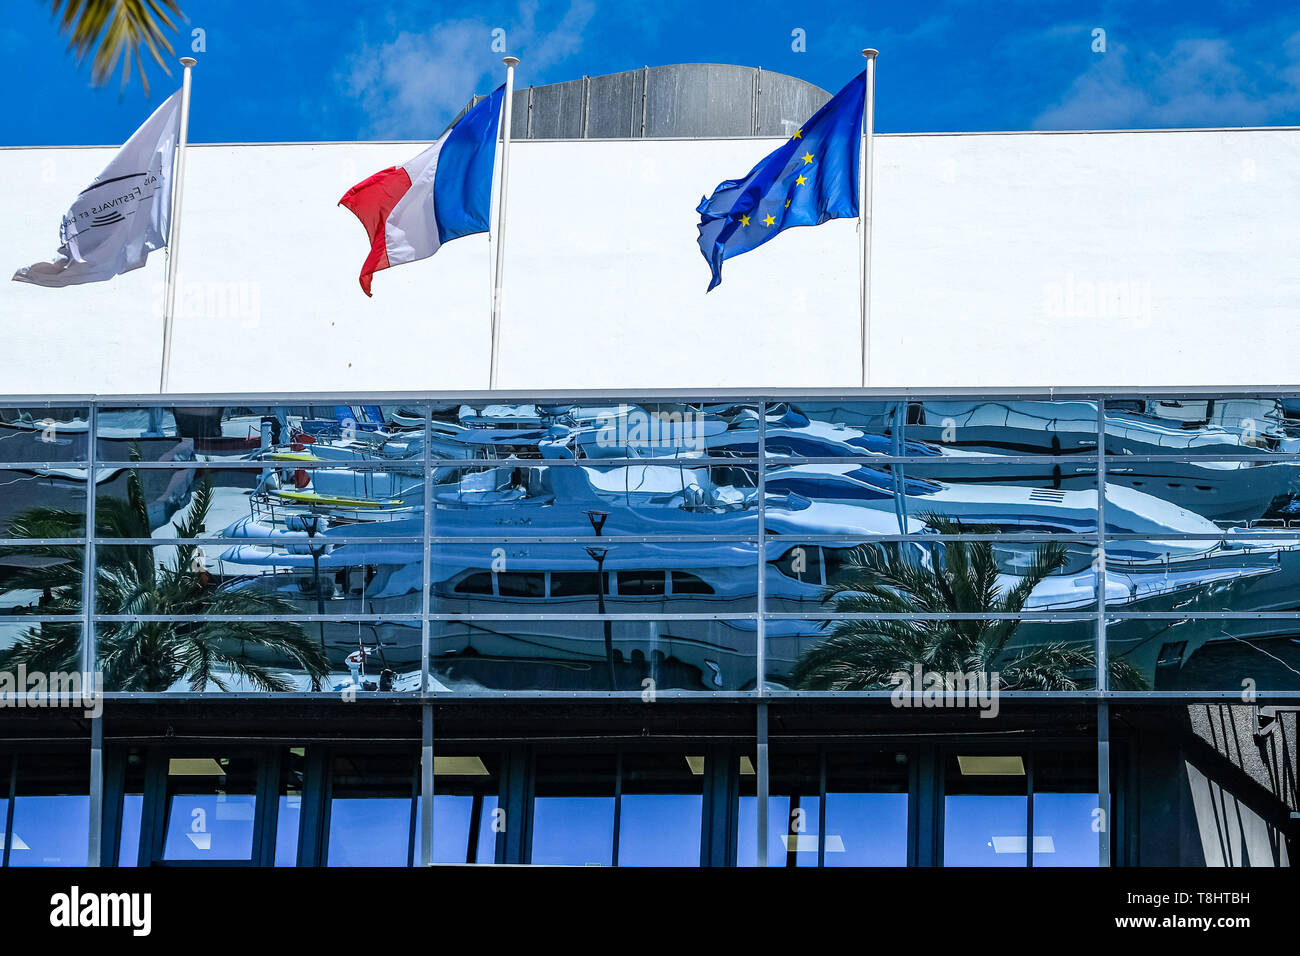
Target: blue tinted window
x=371, y=807
x=573, y=810
x=51, y=811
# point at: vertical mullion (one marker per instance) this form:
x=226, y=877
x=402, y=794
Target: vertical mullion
x=95, y=840
x=761, y=786
x=821, y=808
x=1103, y=664
x=426, y=783
x=88, y=656
x=9, y=809
x=618, y=804
x=88, y=653
x=1103, y=683
x=426, y=572
x=1029, y=808
x=1103, y=783
x=760, y=628
x=760, y=655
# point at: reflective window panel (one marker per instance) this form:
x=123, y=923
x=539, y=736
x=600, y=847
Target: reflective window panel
x=470, y=656
x=661, y=430
x=1004, y=428
x=211, y=807
x=934, y=429
x=33, y=647
x=595, y=578
x=1203, y=575
x=1066, y=809
x=1201, y=654
x=1202, y=496
x=287, y=499
x=573, y=810
x=873, y=654
x=660, y=807
x=45, y=502
x=1202, y=427
x=793, y=810
x=862, y=499
x=866, y=808
x=466, y=796
x=985, y=809
x=523, y=498
x=371, y=809
x=51, y=810
x=206, y=578
x=345, y=432
x=865, y=578
x=44, y=434
x=44, y=580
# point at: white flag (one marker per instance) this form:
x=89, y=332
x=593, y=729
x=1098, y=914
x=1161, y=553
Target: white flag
x=124, y=214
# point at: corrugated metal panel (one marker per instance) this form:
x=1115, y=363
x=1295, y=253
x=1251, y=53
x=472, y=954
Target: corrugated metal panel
x=614, y=106
x=700, y=100
x=690, y=100
x=557, y=111
x=787, y=103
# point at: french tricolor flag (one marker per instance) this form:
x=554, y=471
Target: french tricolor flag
x=409, y=211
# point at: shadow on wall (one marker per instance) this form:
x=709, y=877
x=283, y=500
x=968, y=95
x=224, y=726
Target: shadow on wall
x=1241, y=775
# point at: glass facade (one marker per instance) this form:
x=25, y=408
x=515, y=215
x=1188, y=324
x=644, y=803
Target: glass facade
x=692, y=546
x=750, y=551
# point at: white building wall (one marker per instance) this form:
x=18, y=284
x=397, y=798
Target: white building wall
x=989, y=254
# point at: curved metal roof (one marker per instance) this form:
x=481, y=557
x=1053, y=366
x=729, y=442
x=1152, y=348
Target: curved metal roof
x=683, y=100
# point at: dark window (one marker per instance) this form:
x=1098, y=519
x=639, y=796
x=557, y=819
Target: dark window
x=478, y=583
x=573, y=583
x=686, y=583
x=640, y=583
x=529, y=584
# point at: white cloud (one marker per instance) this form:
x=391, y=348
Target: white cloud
x=412, y=85
x=1199, y=82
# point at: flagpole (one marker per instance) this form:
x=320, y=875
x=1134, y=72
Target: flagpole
x=174, y=225
x=868, y=137
x=497, y=290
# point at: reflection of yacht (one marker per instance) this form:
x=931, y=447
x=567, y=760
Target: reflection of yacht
x=1233, y=492
x=1004, y=507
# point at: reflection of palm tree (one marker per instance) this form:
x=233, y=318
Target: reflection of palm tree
x=149, y=655
x=116, y=30
x=962, y=578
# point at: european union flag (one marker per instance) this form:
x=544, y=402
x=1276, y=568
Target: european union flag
x=811, y=178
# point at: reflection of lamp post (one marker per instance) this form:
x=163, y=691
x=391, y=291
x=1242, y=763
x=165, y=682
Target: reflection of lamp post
x=597, y=519
x=313, y=524
x=598, y=555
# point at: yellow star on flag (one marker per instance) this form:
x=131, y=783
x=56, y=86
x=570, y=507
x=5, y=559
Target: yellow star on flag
x=744, y=220
x=770, y=220
x=801, y=181
x=798, y=134
x=807, y=158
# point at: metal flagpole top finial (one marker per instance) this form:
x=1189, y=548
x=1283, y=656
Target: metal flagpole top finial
x=188, y=61
x=870, y=53
x=510, y=60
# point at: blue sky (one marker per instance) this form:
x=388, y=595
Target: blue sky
x=331, y=70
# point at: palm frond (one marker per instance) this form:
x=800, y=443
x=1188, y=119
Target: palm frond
x=112, y=32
